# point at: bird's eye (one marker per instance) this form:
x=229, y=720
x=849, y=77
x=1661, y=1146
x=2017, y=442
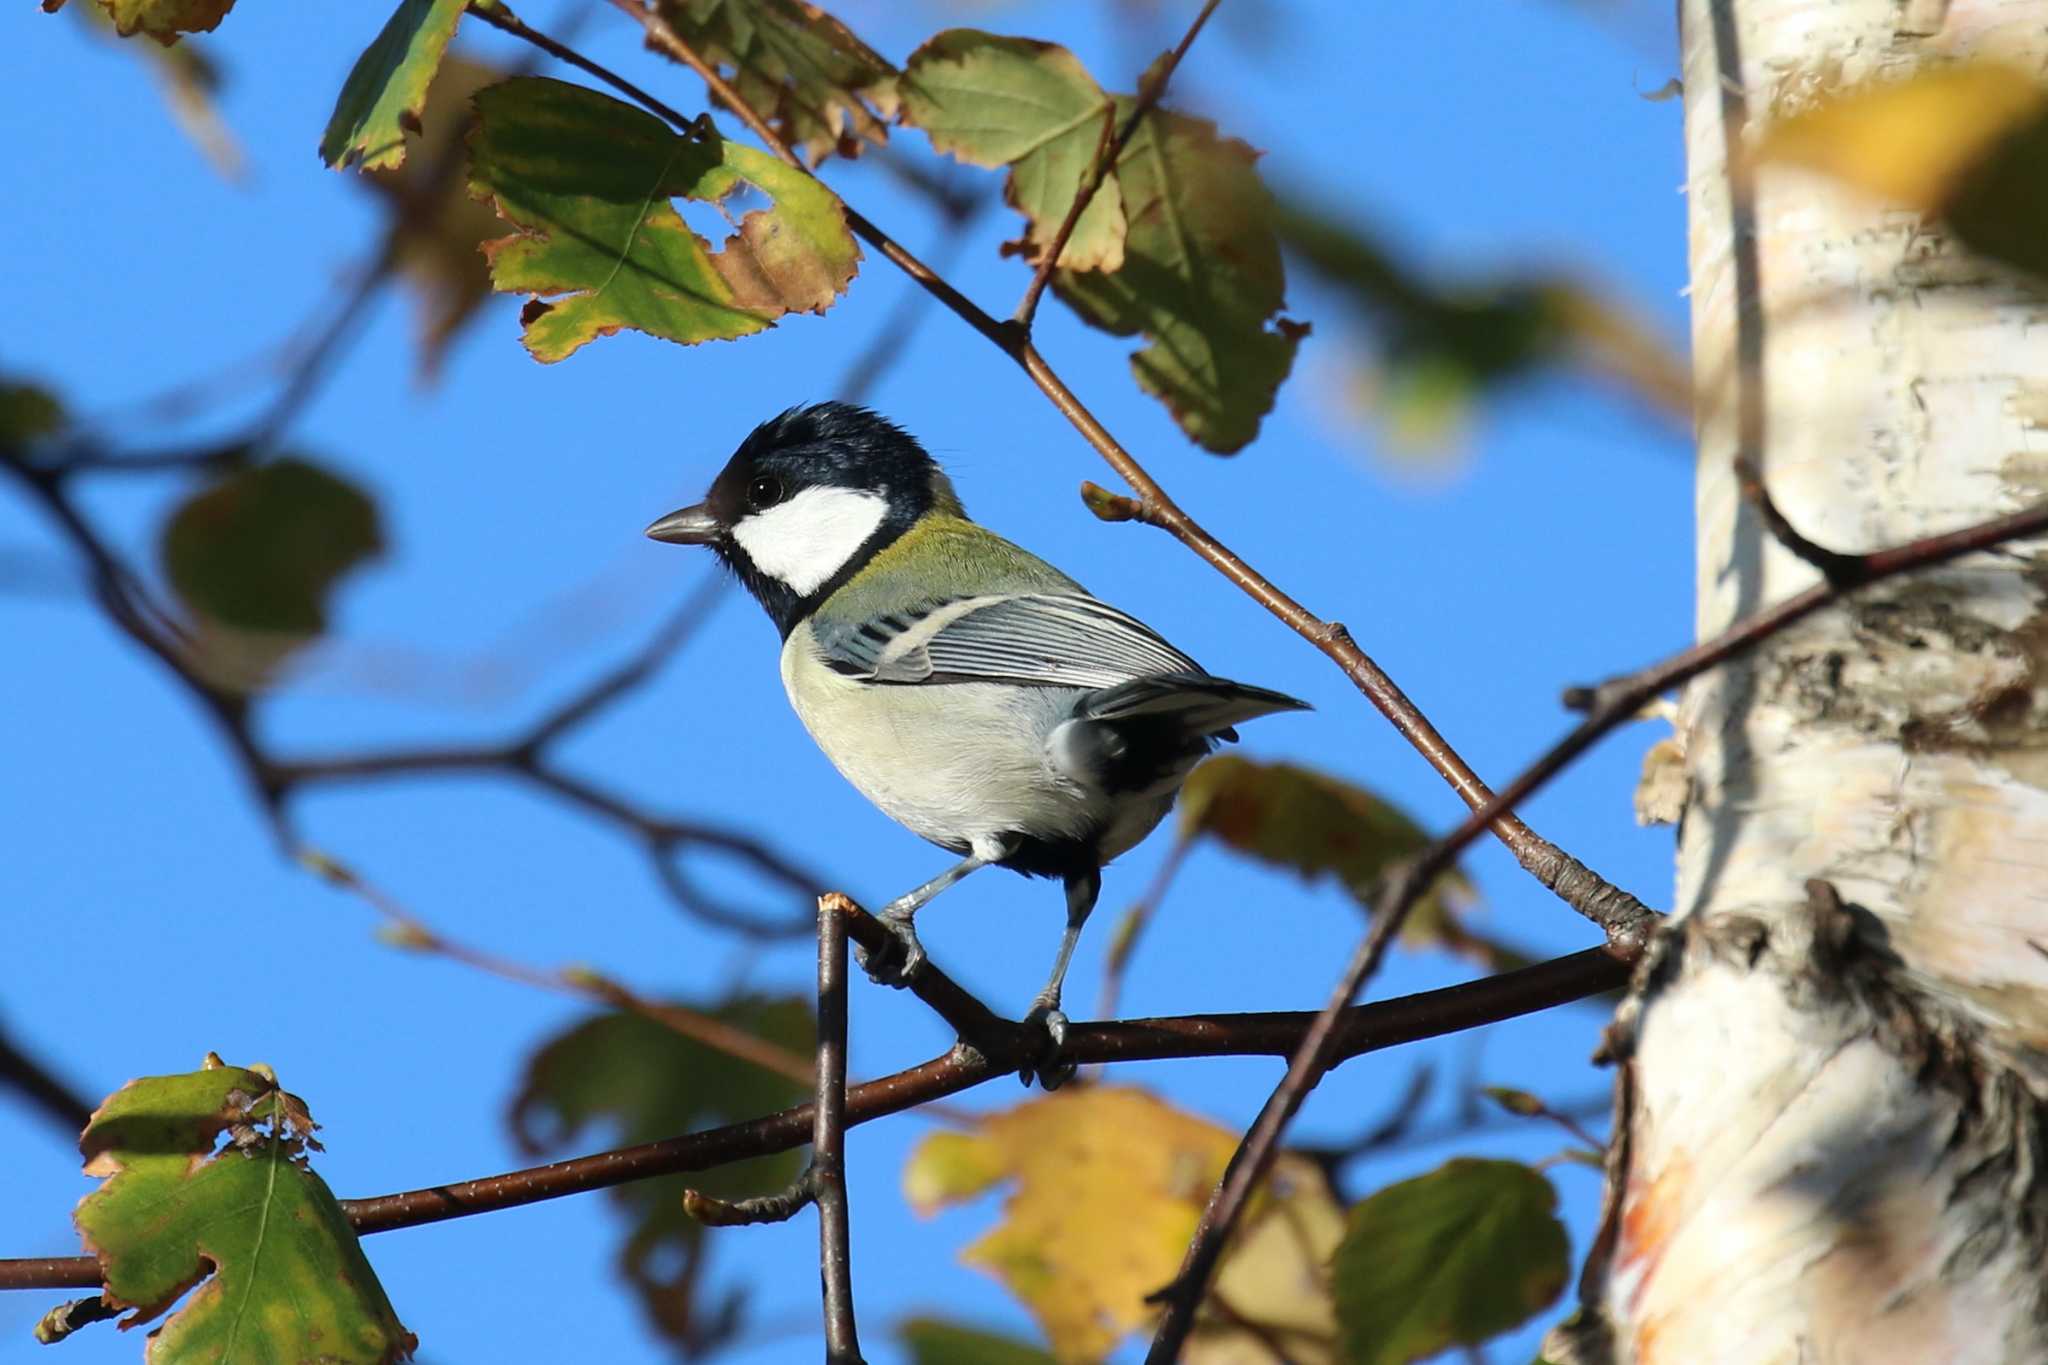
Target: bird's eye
x=764, y=492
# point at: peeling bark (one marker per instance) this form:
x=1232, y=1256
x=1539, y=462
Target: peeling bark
x=1830, y=1126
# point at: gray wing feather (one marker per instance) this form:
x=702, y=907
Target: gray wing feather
x=1041, y=639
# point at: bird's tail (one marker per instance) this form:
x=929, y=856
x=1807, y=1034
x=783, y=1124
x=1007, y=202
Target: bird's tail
x=1198, y=703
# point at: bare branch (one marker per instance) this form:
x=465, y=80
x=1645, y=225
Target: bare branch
x=828, y=1136
x=1362, y=1029
x=1613, y=702
x=1838, y=568
x=35, y=1083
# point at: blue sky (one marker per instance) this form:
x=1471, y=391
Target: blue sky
x=148, y=917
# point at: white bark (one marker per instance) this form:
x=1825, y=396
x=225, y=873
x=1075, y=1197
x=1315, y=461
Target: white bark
x=1829, y=1119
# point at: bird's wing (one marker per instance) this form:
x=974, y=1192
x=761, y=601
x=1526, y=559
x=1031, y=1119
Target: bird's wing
x=1035, y=639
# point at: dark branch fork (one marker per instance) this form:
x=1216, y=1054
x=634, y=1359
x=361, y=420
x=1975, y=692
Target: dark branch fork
x=1608, y=706
x=999, y=1048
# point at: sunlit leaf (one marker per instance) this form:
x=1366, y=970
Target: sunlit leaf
x=190, y=80
x=1110, y=1183
x=440, y=228
x=164, y=20
x=935, y=1341
x=1911, y=140
x=207, y=1184
x=1032, y=107
x=1319, y=825
x=384, y=94
x=1662, y=789
x=1450, y=1258
x=256, y=556
x=1201, y=279
x=635, y=1080
x=588, y=181
x=1177, y=246
x=1272, y=1291
x=822, y=87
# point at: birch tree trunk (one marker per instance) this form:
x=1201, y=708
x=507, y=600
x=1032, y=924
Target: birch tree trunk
x=1829, y=1111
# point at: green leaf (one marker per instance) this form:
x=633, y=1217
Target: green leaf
x=935, y=1341
x=382, y=98
x=822, y=88
x=164, y=20
x=1176, y=245
x=1032, y=107
x=1201, y=279
x=280, y=1273
x=588, y=180
x=1450, y=1258
x=28, y=413
x=1442, y=346
x=637, y=1080
x=1317, y=825
x=256, y=556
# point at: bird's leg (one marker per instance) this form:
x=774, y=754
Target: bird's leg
x=896, y=916
x=1081, y=893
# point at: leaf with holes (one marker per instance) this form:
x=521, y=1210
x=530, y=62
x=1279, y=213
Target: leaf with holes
x=164, y=20
x=1319, y=825
x=1201, y=279
x=1031, y=107
x=588, y=180
x=822, y=87
x=384, y=94
x=1110, y=1183
x=207, y=1184
x=638, y=1080
x=1447, y=1259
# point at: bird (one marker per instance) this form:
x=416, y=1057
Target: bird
x=974, y=693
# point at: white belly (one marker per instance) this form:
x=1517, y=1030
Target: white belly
x=959, y=763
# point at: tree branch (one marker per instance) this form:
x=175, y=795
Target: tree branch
x=1362, y=1029
x=1618, y=914
x=1612, y=702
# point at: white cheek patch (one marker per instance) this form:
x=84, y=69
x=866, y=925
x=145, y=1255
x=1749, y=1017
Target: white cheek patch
x=806, y=540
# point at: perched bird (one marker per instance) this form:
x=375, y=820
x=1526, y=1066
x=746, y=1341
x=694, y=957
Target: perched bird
x=973, y=692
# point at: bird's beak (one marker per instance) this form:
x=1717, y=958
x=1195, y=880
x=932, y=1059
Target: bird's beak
x=691, y=526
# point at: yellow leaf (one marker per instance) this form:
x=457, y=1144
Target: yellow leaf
x=949, y=1167
x=1110, y=1183
x=1273, y=1290
x=1911, y=140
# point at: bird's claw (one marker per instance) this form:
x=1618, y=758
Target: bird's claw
x=1051, y=1071
x=901, y=960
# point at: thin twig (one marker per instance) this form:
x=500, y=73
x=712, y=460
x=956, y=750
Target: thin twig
x=828, y=1136
x=1838, y=568
x=1107, y=154
x=1363, y=1029
x=1613, y=702
x=35, y=1083
x=130, y=607
x=1123, y=944
x=407, y=930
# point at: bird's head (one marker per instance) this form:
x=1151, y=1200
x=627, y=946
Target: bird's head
x=807, y=499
